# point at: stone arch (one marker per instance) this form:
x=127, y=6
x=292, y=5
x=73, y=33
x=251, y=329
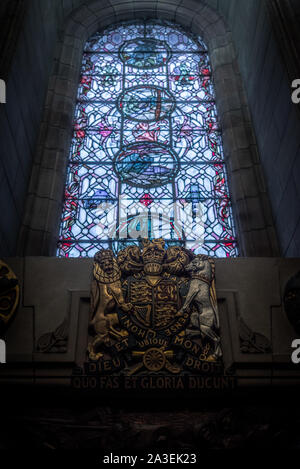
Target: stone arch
x=251, y=206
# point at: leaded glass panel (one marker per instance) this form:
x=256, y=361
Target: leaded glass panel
x=146, y=153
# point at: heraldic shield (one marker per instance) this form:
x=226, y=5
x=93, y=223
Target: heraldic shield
x=153, y=309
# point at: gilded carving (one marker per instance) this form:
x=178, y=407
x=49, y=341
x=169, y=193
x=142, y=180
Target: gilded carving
x=153, y=309
x=202, y=292
x=106, y=296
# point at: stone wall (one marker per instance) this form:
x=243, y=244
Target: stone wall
x=55, y=292
x=263, y=66
x=29, y=32
x=35, y=34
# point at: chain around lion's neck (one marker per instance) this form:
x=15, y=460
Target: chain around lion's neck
x=200, y=277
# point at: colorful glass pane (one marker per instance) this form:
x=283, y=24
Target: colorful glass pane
x=146, y=154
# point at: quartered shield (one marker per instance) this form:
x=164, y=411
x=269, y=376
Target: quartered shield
x=155, y=306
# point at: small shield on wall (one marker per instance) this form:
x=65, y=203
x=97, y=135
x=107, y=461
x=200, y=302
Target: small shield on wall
x=9, y=294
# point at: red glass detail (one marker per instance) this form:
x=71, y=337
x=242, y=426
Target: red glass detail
x=105, y=130
x=146, y=200
x=80, y=134
x=86, y=80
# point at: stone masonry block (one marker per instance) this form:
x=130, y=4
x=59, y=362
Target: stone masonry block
x=51, y=184
x=255, y=214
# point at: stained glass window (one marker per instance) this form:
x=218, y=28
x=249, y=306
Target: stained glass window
x=146, y=155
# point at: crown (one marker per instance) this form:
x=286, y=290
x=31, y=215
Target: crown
x=103, y=254
x=153, y=251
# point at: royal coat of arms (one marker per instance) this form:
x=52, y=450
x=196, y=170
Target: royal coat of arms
x=154, y=309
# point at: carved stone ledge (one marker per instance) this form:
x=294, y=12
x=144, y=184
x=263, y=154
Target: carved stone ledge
x=56, y=341
x=252, y=342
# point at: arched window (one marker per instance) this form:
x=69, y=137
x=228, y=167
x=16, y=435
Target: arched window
x=146, y=156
